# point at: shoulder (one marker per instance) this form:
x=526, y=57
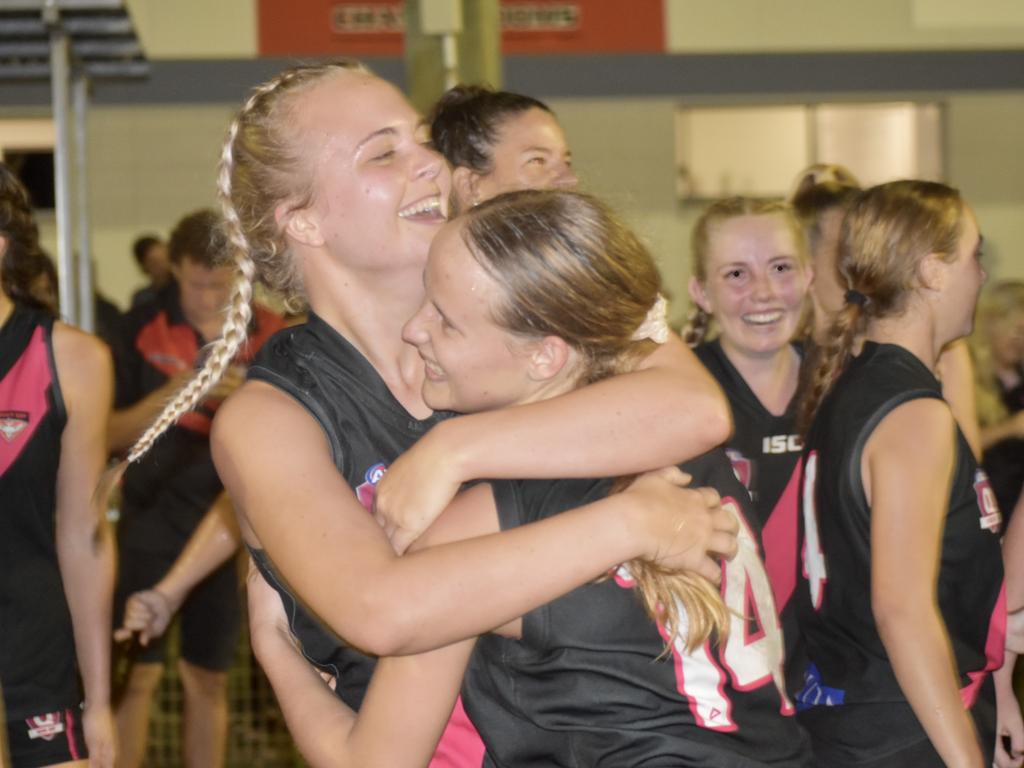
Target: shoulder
x=262, y=412
x=79, y=355
x=920, y=430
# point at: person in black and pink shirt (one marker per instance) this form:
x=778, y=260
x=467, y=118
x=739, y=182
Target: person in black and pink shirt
x=750, y=278
x=167, y=495
x=902, y=606
x=56, y=554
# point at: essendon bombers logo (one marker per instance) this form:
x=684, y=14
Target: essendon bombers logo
x=741, y=467
x=45, y=727
x=368, y=489
x=12, y=423
x=988, y=508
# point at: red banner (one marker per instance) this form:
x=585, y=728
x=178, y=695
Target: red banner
x=376, y=27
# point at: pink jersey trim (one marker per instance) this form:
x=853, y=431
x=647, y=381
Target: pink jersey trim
x=779, y=537
x=995, y=644
x=460, y=745
x=23, y=398
x=69, y=730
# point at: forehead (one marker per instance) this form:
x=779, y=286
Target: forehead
x=194, y=271
x=344, y=108
x=755, y=234
x=534, y=127
x=453, y=274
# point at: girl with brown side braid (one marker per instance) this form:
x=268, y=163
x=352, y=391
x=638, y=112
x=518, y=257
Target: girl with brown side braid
x=56, y=551
x=332, y=195
x=822, y=195
x=902, y=607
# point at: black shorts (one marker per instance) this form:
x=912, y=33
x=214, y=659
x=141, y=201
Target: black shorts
x=210, y=615
x=46, y=739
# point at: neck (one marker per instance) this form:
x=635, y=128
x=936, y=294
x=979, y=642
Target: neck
x=773, y=377
x=369, y=309
x=910, y=331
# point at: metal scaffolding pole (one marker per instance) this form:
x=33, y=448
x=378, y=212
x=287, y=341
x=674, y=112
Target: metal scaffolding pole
x=86, y=303
x=59, y=86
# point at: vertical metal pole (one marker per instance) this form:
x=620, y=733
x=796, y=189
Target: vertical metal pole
x=59, y=66
x=86, y=303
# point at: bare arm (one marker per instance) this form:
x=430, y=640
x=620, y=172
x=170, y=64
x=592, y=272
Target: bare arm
x=956, y=371
x=907, y=469
x=668, y=411
x=215, y=540
x=84, y=542
x=295, y=504
x=127, y=424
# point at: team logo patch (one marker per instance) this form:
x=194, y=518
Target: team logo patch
x=46, y=726
x=742, y=467
x=366, y=491
x=988, y=508
x=12, y=423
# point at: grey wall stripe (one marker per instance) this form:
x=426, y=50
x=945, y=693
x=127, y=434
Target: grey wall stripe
x=226, y=81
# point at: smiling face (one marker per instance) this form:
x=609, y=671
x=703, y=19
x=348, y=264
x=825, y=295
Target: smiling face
x=530, y=153
x=471, y=363
x=379, y=191
x=756, y=283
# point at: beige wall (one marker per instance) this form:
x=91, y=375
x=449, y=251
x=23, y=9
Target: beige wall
x=623, y=150
x=744, y=26
x=196, y=29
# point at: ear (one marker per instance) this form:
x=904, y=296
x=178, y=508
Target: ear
x=548, y=357
x=931, y=272
x=299, y=224
x=464, y=184
x=699, y=295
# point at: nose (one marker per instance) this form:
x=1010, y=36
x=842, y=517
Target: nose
x=415, y=329
x=762, y=287
x=429, y=162
x=566, y=178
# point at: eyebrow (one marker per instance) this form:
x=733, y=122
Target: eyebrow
x=389, y=131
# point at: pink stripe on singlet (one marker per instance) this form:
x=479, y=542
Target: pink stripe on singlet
x=994, y=645
x=69, y=729
x=460, y=746
x=23, y=390
x=779, y=537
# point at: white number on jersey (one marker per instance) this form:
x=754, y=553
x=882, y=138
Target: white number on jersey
x=814, y=559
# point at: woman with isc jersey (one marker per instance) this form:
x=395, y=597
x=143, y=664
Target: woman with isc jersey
x=902, y=609
x=750, y=276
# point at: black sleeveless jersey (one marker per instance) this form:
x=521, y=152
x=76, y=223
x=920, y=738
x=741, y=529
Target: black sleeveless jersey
x=765, y=454
x=37, y=650
x=848, y=662
x=366, y=428
x=585, y=685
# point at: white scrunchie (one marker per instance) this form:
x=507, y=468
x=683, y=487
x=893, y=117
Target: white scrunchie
x=655, y=325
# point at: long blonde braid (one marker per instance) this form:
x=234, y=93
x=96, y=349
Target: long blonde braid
x=255, y=172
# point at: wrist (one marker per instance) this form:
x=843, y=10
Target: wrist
x=171, y=593
x=449, y=441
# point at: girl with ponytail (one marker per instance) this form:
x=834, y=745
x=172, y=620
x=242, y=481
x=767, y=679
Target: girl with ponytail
x=332, y=195
x=902, y=606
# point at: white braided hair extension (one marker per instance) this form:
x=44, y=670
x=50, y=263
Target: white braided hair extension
x=239, y=311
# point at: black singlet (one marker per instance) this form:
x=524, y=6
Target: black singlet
x=848, y=662
x=765, y=454
x=37, y=650
x=585, y=685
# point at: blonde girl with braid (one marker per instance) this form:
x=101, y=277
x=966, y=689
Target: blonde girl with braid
x=902, y=605
x=332, y=195
x=528, y=296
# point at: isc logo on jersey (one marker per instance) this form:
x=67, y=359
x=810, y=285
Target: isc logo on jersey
x=988, y=508
x=781, y=444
